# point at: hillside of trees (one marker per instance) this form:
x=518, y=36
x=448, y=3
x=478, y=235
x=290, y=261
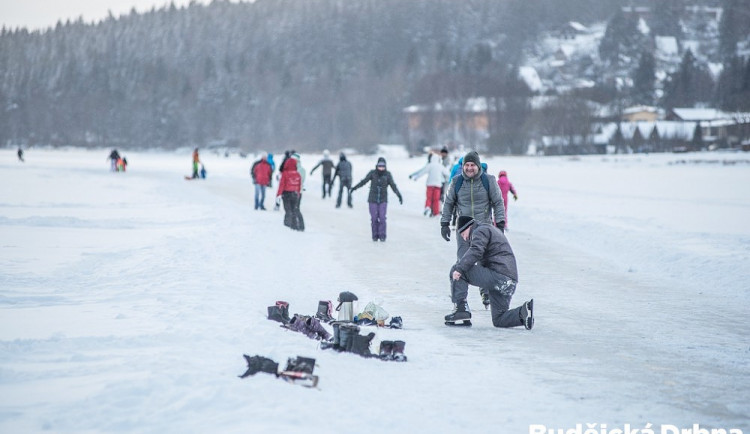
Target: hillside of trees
x=280, y=74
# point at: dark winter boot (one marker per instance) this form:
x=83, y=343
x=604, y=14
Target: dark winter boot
x=396, y=322
x=461, y=312
x=284, y=309
x=325, y=309
x=398, y=351
x=346, y=336
x=386, y=350
x=316, y=330
x=334, y=343
x=257, y=364
x=361, y=344
x=527, y=314
x=274, y=314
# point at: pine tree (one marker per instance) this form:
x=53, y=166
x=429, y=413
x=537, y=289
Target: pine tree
x=689, y=85
x=644, y=78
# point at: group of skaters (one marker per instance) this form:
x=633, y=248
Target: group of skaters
x=117, y=163
x=475, y=201
x=291, y=178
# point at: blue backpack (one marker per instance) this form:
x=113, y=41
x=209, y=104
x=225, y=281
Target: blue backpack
x=460, y=181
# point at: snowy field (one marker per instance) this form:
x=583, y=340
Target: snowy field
x=128, y=299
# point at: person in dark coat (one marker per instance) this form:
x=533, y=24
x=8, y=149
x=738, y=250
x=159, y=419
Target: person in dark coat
x=489, y=263
x=379, y=180
x=327, y=170
x=344, y=173
x=113, y=157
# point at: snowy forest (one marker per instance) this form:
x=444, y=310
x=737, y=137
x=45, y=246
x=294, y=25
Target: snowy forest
x=281, y=74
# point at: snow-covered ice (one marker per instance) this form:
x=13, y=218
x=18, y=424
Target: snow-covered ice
x=128, y=299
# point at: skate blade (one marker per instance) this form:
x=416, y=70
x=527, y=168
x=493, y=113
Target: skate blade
x=459, y=323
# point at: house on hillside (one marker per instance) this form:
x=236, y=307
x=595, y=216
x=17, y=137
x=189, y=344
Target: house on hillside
x=465, y=122
x=645, y=136
x=640, y=113
x=666, y=49
x=641, y=12
x=571, y=29
x=718, y=128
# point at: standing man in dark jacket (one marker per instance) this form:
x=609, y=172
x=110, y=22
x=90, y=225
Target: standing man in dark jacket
x=327, y=169
x=489, y=263
x=344, y=172
x=476, y=194
x=379, y=180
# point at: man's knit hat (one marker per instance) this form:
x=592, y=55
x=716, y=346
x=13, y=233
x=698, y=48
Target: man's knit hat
x=472, y=157
x=464, y=222
x=381, y=162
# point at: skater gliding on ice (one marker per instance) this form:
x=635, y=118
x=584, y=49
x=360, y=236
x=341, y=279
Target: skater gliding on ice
x=506, y=186
x=196, y=163
x=290, y=192
x=327, y=169
x=437, y=174
x=490, y=264
x=344, y=173
x=379, y=180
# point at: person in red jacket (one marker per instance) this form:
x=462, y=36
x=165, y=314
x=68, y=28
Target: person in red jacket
x=261, y=173
x=290, y=192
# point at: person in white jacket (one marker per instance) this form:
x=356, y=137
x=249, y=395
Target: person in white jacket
x=437, y=174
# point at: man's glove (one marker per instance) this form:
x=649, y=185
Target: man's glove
x=501, y=225
x=445, y=231
x=400, y=200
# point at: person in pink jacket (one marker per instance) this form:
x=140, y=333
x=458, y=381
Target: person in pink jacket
x=506, y=186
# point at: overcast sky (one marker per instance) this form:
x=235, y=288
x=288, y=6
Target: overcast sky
x=40, y=14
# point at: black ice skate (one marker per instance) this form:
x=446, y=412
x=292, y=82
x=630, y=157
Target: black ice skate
x=527, y=314
x=461, y=315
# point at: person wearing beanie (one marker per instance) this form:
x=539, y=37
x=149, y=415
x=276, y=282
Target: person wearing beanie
x=472, y=193
x=380, y=179
x=489, y=263
x=344, y=173
x=327, y=171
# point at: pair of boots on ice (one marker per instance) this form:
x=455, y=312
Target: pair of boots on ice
x=462, y=315
x=346, y=338
x=308, y=325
